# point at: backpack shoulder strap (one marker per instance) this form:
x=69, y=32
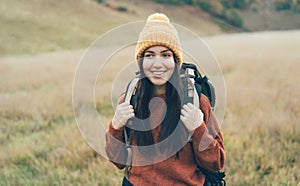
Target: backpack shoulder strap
x=130, y=90
x=201, y=82
x=128, y=139
x=193, y=91
x=128, y=133
x=196, y=94
x=193, y=94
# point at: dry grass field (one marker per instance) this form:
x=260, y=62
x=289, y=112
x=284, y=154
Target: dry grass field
x=261, y=124
x=40, y=143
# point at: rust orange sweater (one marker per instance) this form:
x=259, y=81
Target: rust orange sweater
x=208, y=147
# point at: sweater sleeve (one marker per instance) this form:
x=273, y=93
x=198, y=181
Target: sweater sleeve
x=115, y=146
x=207, y=142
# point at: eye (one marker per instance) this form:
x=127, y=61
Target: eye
x=149, y=55
x=167, y=55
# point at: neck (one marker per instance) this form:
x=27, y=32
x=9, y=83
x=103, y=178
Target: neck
x=160, y=89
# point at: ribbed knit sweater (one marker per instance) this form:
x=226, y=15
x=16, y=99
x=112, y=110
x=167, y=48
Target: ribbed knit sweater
x=176, y=170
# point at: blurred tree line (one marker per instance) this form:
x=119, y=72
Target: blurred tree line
x=288, y=5
x=224, y=9
x=228, y=10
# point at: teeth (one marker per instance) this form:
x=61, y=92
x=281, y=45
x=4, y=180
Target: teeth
x=157, y=73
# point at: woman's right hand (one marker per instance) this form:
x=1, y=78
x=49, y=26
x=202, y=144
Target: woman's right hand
x=124, y=111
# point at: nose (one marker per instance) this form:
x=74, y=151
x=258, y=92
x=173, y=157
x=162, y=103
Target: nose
x=158, y=62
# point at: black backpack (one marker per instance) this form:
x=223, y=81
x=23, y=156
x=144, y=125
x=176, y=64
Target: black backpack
x=199, y=84
x=204, y=86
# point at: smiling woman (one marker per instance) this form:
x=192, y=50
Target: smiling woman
x=169, y=138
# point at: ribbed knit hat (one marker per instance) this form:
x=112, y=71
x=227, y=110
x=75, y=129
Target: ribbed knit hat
x=158, y=31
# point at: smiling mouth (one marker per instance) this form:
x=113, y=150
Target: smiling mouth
x=158, y=72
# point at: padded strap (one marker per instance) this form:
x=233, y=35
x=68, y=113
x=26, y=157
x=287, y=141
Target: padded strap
x=193, y=93
x=128, y=161
x=128, y=140
x=196, y=100
x=130, y=89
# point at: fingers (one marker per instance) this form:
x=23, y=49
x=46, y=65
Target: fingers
x=188, y=108
x=124, y=111
x=183, y=119
x=184, y=112
x=125, y=106
x=191, y=116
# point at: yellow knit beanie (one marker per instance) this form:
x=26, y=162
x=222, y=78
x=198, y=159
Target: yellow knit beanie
x=158, y=31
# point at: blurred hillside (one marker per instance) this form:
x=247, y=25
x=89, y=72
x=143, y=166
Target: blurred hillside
x=33, y=26
x=249, y=15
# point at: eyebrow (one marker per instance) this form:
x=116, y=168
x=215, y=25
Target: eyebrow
x=149, y=51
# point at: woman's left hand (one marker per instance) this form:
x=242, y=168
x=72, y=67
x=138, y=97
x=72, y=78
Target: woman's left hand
x=191, y=116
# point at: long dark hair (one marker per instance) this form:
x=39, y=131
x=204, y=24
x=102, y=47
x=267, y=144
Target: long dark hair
x=174, y=96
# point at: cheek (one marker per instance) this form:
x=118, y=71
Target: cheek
x=146, y=69
x=146, y=65
x=171, y=66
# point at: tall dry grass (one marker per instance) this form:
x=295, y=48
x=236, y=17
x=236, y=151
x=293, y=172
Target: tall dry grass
x=40, y=143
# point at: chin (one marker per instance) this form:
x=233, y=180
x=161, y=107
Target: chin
x=158, y=82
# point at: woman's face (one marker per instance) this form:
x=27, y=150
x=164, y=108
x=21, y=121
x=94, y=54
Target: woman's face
x=158, y=64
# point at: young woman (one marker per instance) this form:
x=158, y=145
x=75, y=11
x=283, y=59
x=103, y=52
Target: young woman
x=171, y=138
